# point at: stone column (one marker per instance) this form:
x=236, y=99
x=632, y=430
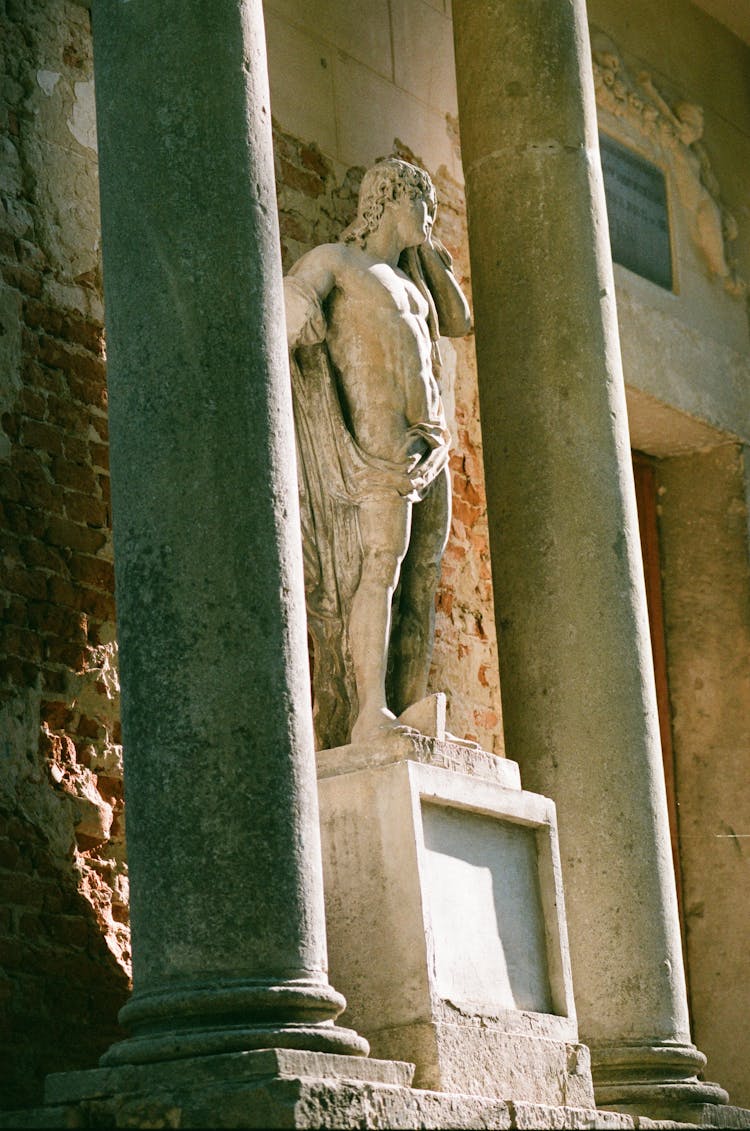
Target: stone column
x=577, y=681
x=227, y=908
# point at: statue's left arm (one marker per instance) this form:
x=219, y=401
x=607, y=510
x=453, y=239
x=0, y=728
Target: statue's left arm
x=452, y=308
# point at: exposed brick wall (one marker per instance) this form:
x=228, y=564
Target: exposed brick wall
x=63, y=881
x=60, y=985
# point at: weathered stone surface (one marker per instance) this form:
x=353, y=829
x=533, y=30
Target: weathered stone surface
x=577, y=676
x=229, y=1068
x=451, y=754
x=445, y=924
x=282, y=1088
x=223, y=837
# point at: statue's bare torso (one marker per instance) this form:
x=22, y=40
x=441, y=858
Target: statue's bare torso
x=376, y=323
x=379, y=342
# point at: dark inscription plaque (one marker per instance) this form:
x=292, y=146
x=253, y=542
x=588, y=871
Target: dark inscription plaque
x=636, y=193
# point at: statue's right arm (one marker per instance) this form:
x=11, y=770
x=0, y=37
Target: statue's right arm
x=306, y=287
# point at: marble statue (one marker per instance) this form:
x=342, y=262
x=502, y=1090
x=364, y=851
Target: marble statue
x=363, y=320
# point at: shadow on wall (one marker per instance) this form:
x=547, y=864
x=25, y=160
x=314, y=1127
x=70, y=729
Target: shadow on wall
x=60, y=986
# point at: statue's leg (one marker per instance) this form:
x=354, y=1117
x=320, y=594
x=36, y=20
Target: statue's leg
x=412, y=646
x=384, y=523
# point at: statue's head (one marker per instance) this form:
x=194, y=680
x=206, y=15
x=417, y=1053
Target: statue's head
x=389, y=180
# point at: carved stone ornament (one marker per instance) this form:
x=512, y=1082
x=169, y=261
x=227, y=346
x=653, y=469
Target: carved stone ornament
x=363, y=320
x=672, y=134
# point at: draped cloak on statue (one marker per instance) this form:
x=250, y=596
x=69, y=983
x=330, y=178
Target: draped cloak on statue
x=335, y=475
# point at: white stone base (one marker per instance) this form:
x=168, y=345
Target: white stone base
x=445, y=920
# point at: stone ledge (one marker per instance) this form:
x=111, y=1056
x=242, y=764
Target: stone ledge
x=231, y=1069
x=287, y=1088
x=305, y=1103
x=450, y=754
x=699, y=1115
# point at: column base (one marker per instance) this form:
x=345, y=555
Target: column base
x=233, y=1016
x=657, y=1081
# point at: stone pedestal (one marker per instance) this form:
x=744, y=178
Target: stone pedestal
x=579, y=703
x=445, y=918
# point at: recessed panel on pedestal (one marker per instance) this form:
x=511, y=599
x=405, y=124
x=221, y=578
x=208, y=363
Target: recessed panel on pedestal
x=485, y=910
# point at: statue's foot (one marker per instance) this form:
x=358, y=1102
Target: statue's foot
x=377, y=724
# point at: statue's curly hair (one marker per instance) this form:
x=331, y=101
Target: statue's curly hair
x=388, y=180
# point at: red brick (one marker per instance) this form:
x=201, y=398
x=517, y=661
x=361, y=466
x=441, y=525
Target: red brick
x=96, y=572
x=303, y=180
x=60, y=591
x=38, y=493
x=99, y=455
x=32, y=404
x=73, y=475
x=97, y=604
x=105, y=488
x=464, y=512
x=73, y=656
x=23, y=519
x=27, y=583
x=20, y=890
x=312, y=158
x=41, y=377
x=77, y=449
x=83, y=333
x=36, y=554
x=10, y=487
x=41, y=315
x=89, y=728
x=67, y=414
x=56, y=713
x=84, y=509
x=90, y=391
x=50, y=619
x=18, y=673
x=67, y=930
x=22, y=642
x=37, y=435
x=101, y=425
x=62, y=532
x=23, y=279
x=295, y=228
x=15, y=611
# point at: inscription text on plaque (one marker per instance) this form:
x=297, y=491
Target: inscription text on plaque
x=636, y=193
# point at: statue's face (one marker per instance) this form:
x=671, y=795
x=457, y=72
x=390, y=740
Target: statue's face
x=414, y=218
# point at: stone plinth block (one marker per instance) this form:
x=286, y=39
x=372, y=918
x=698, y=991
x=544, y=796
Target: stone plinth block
x=445, y=919
x=279, y=1088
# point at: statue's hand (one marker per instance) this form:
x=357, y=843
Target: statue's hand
x=429, y=453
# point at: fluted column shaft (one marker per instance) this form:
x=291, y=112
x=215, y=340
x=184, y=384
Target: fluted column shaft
x=576, y=672
x=227, y=909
